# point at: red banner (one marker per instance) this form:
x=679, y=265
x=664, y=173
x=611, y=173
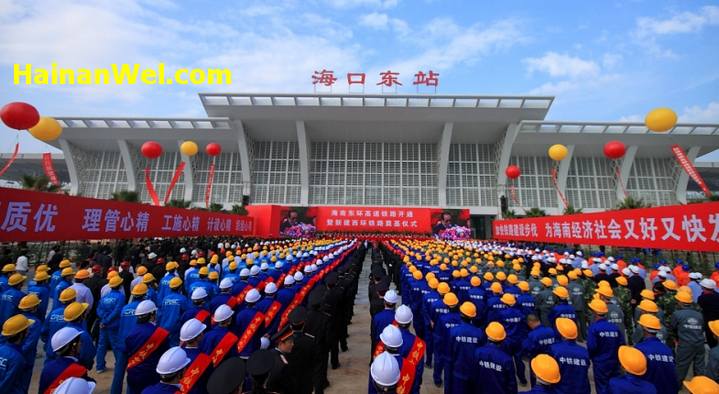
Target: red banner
x=689, y=168
x=150, y=188
x=374, y=219
x=175, y=178
x=210, y=179
x=12, y=159
x=35, y=216
x=49, y=169
x=679, y=227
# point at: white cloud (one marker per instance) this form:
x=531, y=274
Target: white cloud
x=634, y=118
x=344, y=4
x=648, y=30
x=375, y=20
x=562, y=65
x=611, y=60
x=698, y=114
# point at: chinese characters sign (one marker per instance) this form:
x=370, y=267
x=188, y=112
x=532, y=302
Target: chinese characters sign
x=35, y=216
x=387, y=78
x=679, y=227
x=374, y=219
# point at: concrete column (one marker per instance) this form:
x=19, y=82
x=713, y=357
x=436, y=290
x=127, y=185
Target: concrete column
x=683, y=179
x=304, y=147
x=244, y=157
x=562, y=174
x=444, y=144
x=71, y=168
x=624, y=170
x=129, y=165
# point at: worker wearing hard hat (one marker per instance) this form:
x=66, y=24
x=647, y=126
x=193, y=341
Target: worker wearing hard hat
x=635, y=365
x=661, y=368
x=12, y=360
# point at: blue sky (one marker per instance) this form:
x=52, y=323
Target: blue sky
x=603, y=60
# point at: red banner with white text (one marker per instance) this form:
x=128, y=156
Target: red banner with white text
x=689, y=168
x=35, y=216
x=374, y=219
x=48, y=168
x=678, y=227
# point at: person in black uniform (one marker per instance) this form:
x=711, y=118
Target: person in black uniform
x=317, y=324
x=280, y=380
x=259, y=367
x=332, y=304
x=304, y=354
x=228, y=377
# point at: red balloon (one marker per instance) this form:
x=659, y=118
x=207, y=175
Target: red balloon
x=151, y=150
x=614, y=149
x=213, y=149
x=19, y=116
x=513, y=172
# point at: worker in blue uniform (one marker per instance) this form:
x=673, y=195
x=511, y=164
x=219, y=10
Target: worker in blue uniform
x=220, y=342
x=41, y=289
x=561, y=308
x=428, y=300
x=249, y=319
x=525, y=300
x=173, y=306
x=56, y=277
x=464, y=340
x=287, y=293
x=55, y=321
x=512, y=320
x=384, y=374
x=12, y=361
x=494, y=368
x=64, y=282
x=192, y=275
x=476, y=295
x=143, y=347
x=494, y=302
x=128, y=321
x=109, y=311
x=603, y=340
x=28, y=308
x=164, y=287
x=417, y=288
x=10, y=298
x=242, y=282
x=66, y=344
x=538, y=340
x=224, y=296
x=203, y=282
x=75, y=315
x=385, y=317
x=632, y=382
x=191, y=335
x=661, y=368
x=548, y=374
x=171, y=369
x=445, y=322
x=573, y=359
x=198, y=307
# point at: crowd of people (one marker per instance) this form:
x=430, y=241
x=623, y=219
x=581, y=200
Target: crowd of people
x=182, y=316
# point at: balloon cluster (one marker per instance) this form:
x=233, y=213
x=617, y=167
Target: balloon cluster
x=23, y=116
x=153, y=149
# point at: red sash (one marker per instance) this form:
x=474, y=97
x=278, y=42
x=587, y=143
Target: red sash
x=231, y=302
x=241, y=297
x=409, y=367
x=194, y=372
x=250, y=331
x=73, y=370
x=202, y=315
x=281, y=280
x=272, y=312
x=222, y=348
x=152, y=344
x=379, y=348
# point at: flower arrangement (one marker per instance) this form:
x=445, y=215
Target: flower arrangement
x=456, y=233
x=300, y=230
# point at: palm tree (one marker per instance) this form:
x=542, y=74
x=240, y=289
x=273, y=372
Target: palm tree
x=125, y=196
x=535, y=213
x=215, y=207
x=179, y=203
x=570, y=210
x=238, y=209
x=510, y=214
x=39, y=183
x=632, y=203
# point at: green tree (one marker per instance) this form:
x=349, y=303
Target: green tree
x=125, y=196
x=216, y=207
x=39, y=183
x=179, y=203
x=510, y=214
x=570, y=210
x=630, y=202
x=238, y=209
x=535, y=213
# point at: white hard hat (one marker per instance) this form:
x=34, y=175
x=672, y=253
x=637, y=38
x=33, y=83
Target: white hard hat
x=62, y=337
x=264, y=343
x=254, y=270
x=278, y=265
x=183, y=250
x=663, y=274
x=385, y=370
x=252, y=296
x=391, y=297
x=603, y=267
x=244, y=272
x=626, y=272
x=226, y=283
x=289, y=280
x=403, y=315
x=270, y=288
x=634, y=269
x=191, y=329
x=75, y=386
x=579, y=253
x=145, y=307
x=222, y=313
x=264, y=266
x=708, y=284
x=611, y=258
x=695, y=275
x=308, y=269
x=299, y=276
x=152, y=255
x=391, y=336
x=173, y=360
x=199, y=293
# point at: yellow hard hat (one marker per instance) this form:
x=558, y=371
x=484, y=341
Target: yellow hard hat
x=443, y=267
x=632, y=360
x=28, y=302
x=175, y=283
x=670, y=284
x=588, y=273
x=430, y=275
x=68, y=295
x=7, y=268
x=605, y=291
x=433, y=283
x=714, y=327
x=64, y=263
x=512, y=279
x=488, y=276
x=603, y=283
x=546, y=368
x=523, y=285
x=546, y=282
x=204, y=271
x=572, y=275
x=41, y=276
x=648, y=306
x=16, y=325
x=475, y=281
x=148, y=278
x=495, y=332
x=456, y=274
x=501, y=276
x=417, y=275
x=496, y=287
x=214, y=258
x=75, y=310
x=450, y=299
x=141, y=270
x=567, y=327
x=16, y=279
x=598, y=306
x=562, y=280
x=508, y=299
x=464, y=273
x=213, y=275
x=622, y=281
x=647, y=294
x=233, y=266
x=193, y=262
x=171, y=265
x=115, y=281
x=468, y=309
x=66, y=272
x=649, y=321
x=42, y=268
x=561, y=292
x=443, y=288
x=552, y=271
x=684, y=297
x=112, y=274
x=82, y=274
x=139, y=289
x=701, y=385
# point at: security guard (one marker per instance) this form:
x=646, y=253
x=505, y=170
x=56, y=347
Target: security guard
x=74, y=315
x=317, y=325
x=172, y=307
x=12, y=362
x=144, y=346
x=220, y=343
x=384, y=374
x=512, y=320
x=280, y=380
x=687, y=325
x=573, y=359
x=55, y=321
x=42, y=291
x=10, y=298
x=198, y=372
x=28, y=308
x=548, y=374
x=635, y=365
x=464, y=339
x=304, y=356
x=494, y=368
x=170, y=368
x=109, y=312
x=228, y=378
x=538, y=340
x=661, y=370
x=66, y=344
x=259, y=367
x=445, y=322
x=603, y=340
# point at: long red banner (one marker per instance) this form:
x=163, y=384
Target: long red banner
x=374, y=219
x=679, y=227
x=48, y=168
x=689, y=168
x=35, y=216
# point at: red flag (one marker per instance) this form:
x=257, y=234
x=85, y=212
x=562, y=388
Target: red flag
x=208, y=188
x=151, y=189
x=175, y=178
x=12, y=159
x=689, y=168
x=49, y=169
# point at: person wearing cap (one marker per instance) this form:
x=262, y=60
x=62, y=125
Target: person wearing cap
x=173, y=306
x=603, y=340
x=109, y=310
x=687, y=326
x=171, y=369
x=384, y=374
x=384, y=317
x=548, y=374
x=661, y=369
x=42, y=291
x=444, y=323
x=13, y=364
x=287, y=293
x=562, y=308
x=198, y=372
x=270, y=307
x=463, y=340
x=28, y=308
x=144, y=346
x=228, y=377
x=83, y=292
x=634, y=364
x=615, y=314
x=279, y=380
x=493, y=367
x=164, y=287
x=128, y=321
x=317, y=324
x=11, y=297
x=75, y=315
x=64, y=282
x=573, y=359
x=545, y=301
x=219, y=342
x=648, y=307
x=708, y=301
x=198, y=308
x=7, y=271
x=537, y=341
x=224, y=296
x=66, y=344
x=249, y=325
x=303, y=359
x=55, y=320
x=259, y=366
